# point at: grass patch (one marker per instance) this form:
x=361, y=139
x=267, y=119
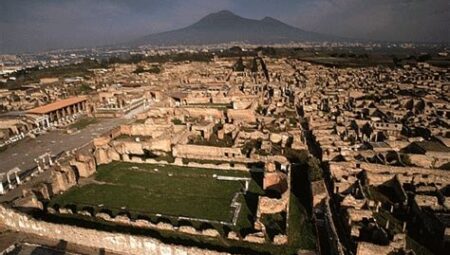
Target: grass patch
x=301, y=231
x=84, y=89
x=171, y=190
x=275, y=224
x=140, y=121
x=140, y=186
x=227, y=141
x=83, y=123
x=138, y=200
x=176, y=121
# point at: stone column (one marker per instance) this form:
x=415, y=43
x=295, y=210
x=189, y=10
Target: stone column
x=2, y=188
x=9, y=181
x=38, y=165
x=50, y=161
x=58, y=115
x=17, y=178
x=47, y=121
x=43, y=162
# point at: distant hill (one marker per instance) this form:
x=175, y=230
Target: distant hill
x=225, y=26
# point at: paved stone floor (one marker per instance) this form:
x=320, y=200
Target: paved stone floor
x=23, y=153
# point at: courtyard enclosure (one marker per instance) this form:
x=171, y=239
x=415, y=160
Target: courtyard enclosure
x=172, y=192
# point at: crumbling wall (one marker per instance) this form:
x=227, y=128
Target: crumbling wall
x=114, y=242
x=106, y=155
x=237, y=116
x=145, y=130
x=275, y=181
x=221, y=99
x=85, y=164
x=268, y=205
x=319, y=192
x=255, y=135
x=159, y=112
x=128, y=147
x=63, y=178
x=207, y=152
x=209, y=113
x=378, y=174
x=192, y=99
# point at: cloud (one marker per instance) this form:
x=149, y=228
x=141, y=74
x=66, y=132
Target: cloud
x=44, y=24
x=408, y=20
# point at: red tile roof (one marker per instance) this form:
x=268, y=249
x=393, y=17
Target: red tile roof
x=56, y=105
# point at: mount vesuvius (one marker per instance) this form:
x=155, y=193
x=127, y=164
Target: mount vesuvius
x=225, y=26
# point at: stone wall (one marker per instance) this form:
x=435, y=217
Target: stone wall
x=207, y=152
x=145, y=130
x=237, y=116
x=85, y=163
x=378, y=174
x=114, y=242
x=208, y=113
x=197, y=100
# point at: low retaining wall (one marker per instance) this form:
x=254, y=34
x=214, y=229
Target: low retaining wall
x=114, y=242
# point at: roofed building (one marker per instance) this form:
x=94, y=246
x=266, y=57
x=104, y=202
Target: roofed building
x=59, y=111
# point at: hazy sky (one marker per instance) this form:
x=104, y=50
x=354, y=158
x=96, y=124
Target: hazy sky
x=45, y=24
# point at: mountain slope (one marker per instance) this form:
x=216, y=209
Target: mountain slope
x=225, y=26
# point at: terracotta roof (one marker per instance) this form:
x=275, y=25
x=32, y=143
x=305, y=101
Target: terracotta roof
x=56, y=105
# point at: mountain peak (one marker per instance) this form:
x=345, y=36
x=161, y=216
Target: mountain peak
x=269, y=19
x=220, y=15
x=225, y=26
x=223, y=12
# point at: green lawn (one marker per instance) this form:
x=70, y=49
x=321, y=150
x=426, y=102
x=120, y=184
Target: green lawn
x=148, y=189
x=301, y=230
x=195, y=192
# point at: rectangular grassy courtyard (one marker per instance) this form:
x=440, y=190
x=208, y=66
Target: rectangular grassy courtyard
x=173, y=191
